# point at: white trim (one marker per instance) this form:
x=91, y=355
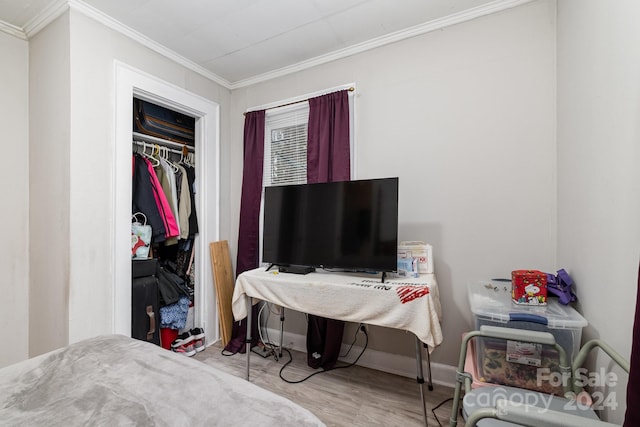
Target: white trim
x=130, y=82
x=45, y=17
x=436, y=24
x=110, y=22
x=56, y=9
x=396, y=364
x=12, y=30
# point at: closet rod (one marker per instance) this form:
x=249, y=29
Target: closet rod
x=152, y=145
x=137, y=137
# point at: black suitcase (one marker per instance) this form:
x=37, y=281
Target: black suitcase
x=145, y=314
x=161, y=122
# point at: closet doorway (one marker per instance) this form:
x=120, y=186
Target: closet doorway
x=132, y=83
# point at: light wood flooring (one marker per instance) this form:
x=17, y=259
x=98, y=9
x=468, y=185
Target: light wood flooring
x=354, y=396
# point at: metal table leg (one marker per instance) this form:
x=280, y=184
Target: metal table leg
x=248, y=339
x=420, y=378
x=429, y=381
x=281, y=330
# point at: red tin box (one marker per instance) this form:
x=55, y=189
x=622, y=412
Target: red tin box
x=529, y=287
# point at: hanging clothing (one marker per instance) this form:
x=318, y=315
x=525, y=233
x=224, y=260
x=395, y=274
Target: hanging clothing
x=166, y=177
x=143, y=199
x=193, y=218
x=184, y=201
x=164, y=208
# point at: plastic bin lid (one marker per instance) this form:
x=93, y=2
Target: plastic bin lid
x=492, y=300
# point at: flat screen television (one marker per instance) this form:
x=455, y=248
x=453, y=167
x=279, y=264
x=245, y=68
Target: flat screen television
x=347, y=225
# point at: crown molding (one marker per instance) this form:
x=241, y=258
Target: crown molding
x=12, y=30
x=93, y=13
x=45, y=17
x=57, y=8
x=436, y=24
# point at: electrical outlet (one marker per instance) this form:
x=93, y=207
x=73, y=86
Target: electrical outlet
x=364, y=328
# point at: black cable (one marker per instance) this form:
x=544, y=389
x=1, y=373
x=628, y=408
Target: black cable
x=366, y=343
x=268, y=344
x=355, y=337
x=433, y=410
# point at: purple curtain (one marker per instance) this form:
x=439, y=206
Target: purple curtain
x=328, y=151
x=249, y=234
x=632, y=416
x=328, y=160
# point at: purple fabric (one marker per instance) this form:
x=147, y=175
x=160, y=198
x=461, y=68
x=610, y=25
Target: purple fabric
x=328, y=160
x=324, y=339
x=560, y=286
x=237, y=343
x=632, y=416
x=249, y=234
x=328, y=151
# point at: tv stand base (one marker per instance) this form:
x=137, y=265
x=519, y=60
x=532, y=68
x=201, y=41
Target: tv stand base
x=296, y=269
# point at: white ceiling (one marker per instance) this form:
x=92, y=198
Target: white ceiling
x=241, y=40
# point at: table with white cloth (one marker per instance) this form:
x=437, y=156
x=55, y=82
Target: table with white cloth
x=409, y=304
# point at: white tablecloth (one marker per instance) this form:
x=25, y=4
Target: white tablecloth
x=409, y=304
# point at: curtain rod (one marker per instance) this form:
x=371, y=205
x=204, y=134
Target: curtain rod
x=351, y=89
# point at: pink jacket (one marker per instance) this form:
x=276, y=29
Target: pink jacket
x=170, y=223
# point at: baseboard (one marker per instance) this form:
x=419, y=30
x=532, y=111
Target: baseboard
x=374, y=359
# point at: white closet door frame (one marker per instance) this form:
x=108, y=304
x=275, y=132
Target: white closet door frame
x=131, y=82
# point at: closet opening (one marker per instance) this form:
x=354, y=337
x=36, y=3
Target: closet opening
x=164, y=229
x=201, y=154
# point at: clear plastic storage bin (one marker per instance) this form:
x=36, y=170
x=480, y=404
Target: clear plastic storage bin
x=491, y=304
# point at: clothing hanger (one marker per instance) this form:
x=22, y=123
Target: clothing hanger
x=183, y=153
x=149, y=156
x=188, y=160
x=165, y=153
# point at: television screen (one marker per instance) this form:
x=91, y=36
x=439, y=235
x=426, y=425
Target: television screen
x=351, y=225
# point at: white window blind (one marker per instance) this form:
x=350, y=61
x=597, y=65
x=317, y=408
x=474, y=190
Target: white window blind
x=285, y=145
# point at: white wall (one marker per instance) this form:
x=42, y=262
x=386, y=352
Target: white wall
x=79, y=301
x=465, y=116
x=14, y=217
x=598, y=158
x=49, y=187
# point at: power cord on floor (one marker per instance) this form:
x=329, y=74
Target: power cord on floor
x=366, y=343
x=433, y=410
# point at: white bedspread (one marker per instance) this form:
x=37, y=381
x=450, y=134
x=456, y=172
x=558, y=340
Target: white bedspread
x=115, y=381
x=409, y=304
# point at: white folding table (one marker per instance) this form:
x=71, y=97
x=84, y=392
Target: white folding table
x=408, y=304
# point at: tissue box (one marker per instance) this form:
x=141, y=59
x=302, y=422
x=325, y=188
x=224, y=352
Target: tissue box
x=420, y=250
x=529, y=287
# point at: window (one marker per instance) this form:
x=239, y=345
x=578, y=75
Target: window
x=285, y=145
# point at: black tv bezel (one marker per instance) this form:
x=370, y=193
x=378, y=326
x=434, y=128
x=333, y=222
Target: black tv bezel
x=287, y=266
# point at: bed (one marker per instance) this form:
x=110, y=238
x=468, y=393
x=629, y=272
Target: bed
x=115, y=380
